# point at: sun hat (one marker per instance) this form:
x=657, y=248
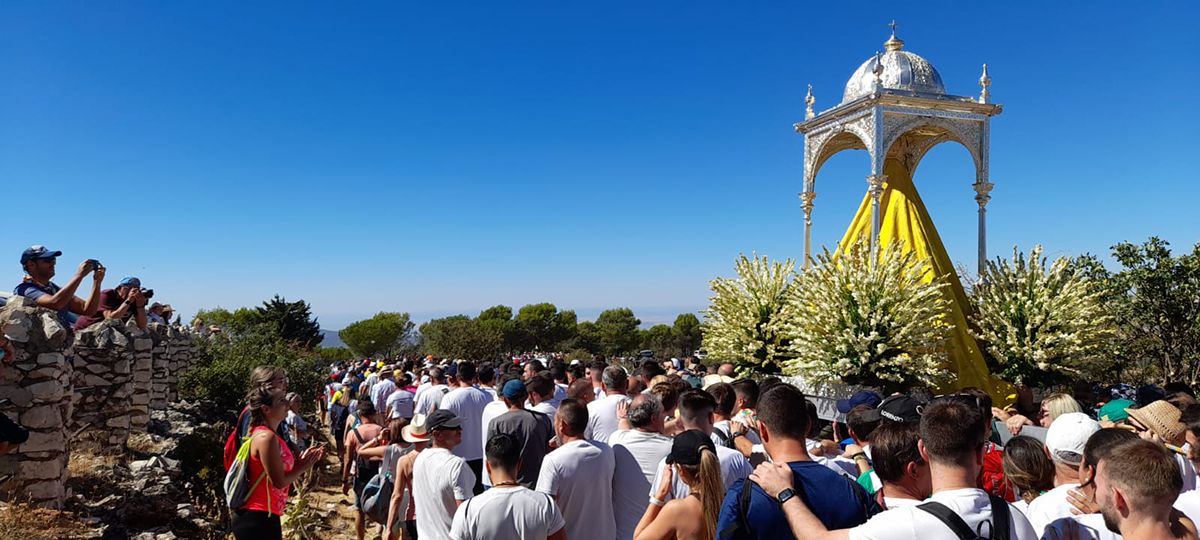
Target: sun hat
x=443, y=419
x=862, y=397
x=710, y=380
x=1162, y=418
x=686, y=447
x=416, y=430
x=1114, y=411
x=1067, y=436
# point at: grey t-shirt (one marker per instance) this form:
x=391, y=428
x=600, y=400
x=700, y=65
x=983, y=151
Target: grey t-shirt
x=535, y=430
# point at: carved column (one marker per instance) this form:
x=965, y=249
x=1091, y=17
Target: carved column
x=806, y=202
x=982, y=190
x=875, y=188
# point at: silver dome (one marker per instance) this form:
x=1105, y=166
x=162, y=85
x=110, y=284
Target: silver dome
x=902, y=71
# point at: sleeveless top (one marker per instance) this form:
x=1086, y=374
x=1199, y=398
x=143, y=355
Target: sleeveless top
x=264, y=492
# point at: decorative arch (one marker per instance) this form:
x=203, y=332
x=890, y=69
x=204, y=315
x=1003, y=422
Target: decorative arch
x=910, y=139
x=857, y=134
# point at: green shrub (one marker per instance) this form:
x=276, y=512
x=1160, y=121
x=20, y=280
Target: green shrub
x=222, y=372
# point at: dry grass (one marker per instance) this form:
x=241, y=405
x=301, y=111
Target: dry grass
x=84, y=462
x=147, y=444
x=31, y=523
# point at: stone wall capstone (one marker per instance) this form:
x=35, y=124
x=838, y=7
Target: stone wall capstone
x=36, y=393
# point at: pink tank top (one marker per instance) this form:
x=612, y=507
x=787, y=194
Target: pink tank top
x=264, y=492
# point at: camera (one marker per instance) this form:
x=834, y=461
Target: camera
x=148, y=293
x=93, y=264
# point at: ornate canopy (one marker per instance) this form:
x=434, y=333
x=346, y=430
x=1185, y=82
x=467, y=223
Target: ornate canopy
x=895, y=106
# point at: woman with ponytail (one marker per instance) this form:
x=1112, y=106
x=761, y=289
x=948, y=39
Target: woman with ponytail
x=694, y=458
x=273, y=467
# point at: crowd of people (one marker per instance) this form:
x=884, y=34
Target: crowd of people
x=544, y=448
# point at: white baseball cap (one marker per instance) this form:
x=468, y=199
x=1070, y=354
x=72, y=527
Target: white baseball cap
x=1067, y=436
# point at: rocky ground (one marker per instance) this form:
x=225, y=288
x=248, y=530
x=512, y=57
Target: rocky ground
x=163, y=489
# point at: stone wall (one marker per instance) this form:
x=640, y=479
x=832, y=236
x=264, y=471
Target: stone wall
x=103, y=385
x=119, y=372
x=160, y=367
x=37, y=390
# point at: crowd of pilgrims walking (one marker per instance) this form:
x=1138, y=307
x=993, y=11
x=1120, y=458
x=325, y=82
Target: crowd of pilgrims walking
x=541, y=448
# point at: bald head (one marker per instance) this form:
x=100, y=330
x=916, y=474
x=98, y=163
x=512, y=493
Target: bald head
x=727, y=369
x=646, y=413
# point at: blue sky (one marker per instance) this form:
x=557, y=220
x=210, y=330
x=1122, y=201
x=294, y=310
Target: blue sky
x=443, y=158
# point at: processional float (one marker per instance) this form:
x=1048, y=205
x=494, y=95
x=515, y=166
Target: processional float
x=895, y=107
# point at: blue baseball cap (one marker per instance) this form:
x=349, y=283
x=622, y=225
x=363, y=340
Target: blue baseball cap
x=38, y=252
x=514, y=389
x=130, y=281
x=862, y=397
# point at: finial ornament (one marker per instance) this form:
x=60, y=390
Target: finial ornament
x=984, y=82
x=877, y=71
x=809, y=100
x=893, y=43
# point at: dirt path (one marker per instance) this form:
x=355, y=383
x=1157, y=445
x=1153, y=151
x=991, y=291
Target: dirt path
x=326, y=499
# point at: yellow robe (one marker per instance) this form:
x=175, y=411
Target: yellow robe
x=905, y=218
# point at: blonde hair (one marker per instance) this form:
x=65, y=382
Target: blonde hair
x=706, y=479
x=1060, y=404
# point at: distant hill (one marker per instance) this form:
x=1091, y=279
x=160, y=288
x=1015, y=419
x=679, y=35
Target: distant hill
x=331, y=339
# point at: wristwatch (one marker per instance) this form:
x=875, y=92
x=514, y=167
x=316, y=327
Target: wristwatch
x=785, y=495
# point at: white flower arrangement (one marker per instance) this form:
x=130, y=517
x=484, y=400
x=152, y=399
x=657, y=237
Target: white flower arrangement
x=882, y=325
x=742, y=323
x=1039, y=325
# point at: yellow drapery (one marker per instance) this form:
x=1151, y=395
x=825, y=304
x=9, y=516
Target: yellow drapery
x=906, y=219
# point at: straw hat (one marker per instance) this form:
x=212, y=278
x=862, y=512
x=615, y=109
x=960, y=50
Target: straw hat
x=1162, y=418
x=710, y=380
x=416, y=430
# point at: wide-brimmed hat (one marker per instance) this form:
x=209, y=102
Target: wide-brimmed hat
x=710, y=380
x=416, y=430
x=1162, y=418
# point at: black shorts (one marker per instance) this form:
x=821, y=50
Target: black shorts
x=256, y=525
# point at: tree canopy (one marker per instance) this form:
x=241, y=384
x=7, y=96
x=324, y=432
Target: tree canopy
x=381, y=333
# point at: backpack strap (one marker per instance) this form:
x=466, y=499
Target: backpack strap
x=1000, y=518
x=724, y=438
x=948, y=517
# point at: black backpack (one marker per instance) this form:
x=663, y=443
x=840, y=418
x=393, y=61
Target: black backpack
x=1000, y=516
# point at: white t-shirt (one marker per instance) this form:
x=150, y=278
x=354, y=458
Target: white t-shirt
x=602, y=417
x=560, y=393
x=490, y=412
x=504, y=513
x=579, y=475
x=734, y=467
x=1084, y=527
x=468, y=404
x=636, y=454
x=894, y=502
x=401, y=403
x=1186, y=471
x=545, y=408
x=430, y=399
x=1049, y=506
x=1189, y=503
x=439, y=480
x=912, y=523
